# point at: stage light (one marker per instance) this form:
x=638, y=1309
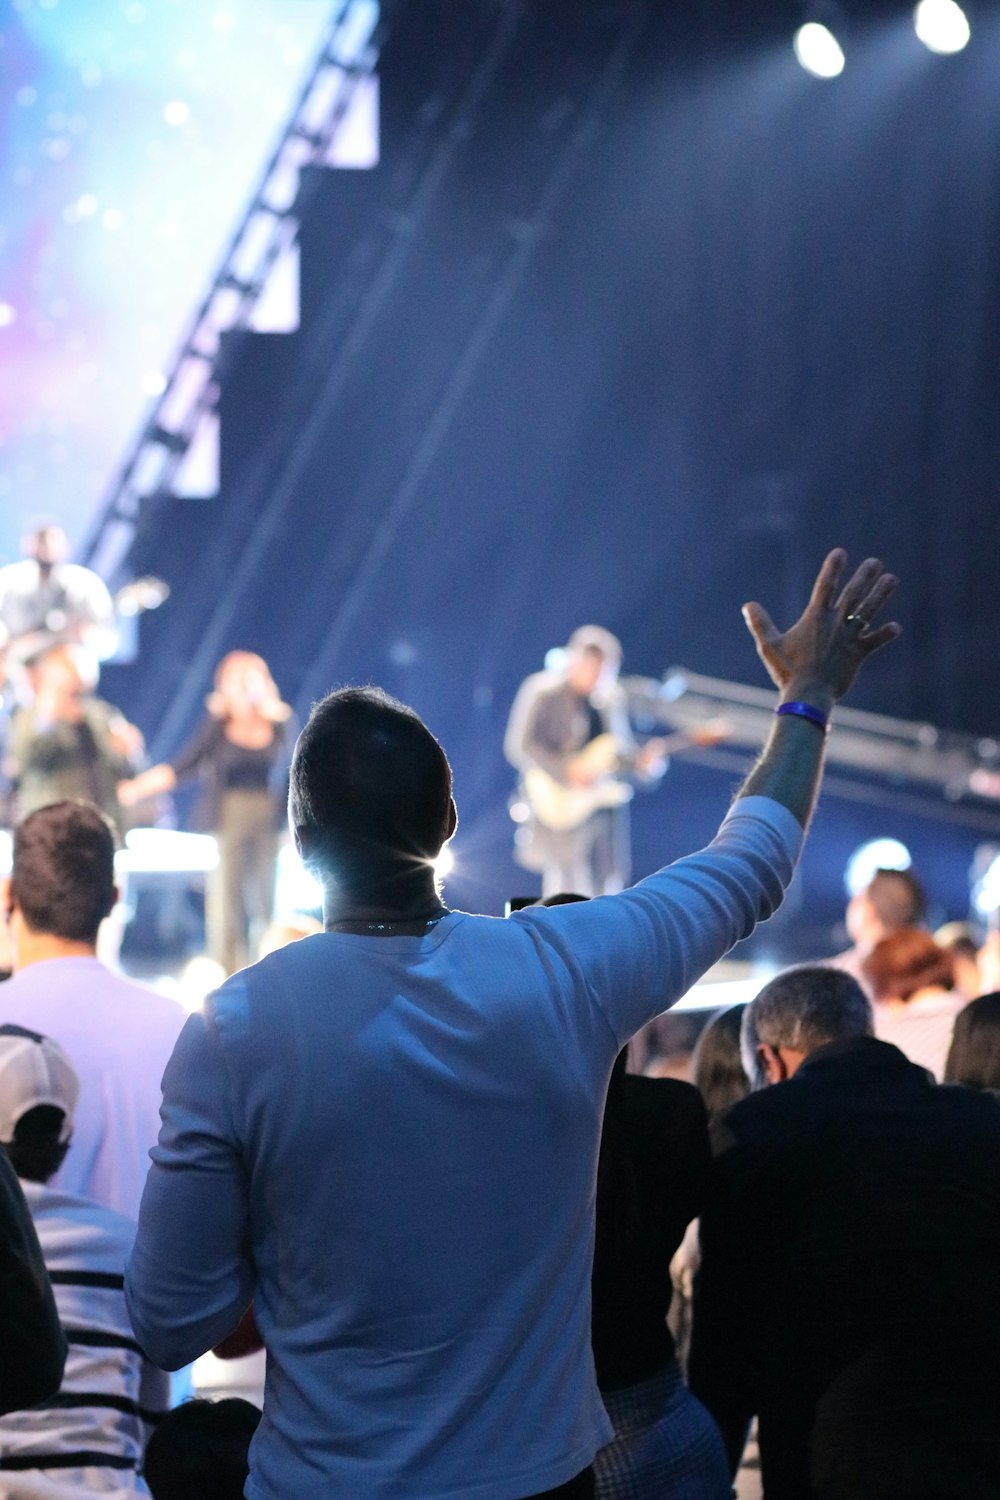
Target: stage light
x=296, y=889
x=818, y=50
x=199, y=977
x=164, y=851
x=986, y=891
x=941, y=25
x=876, y=854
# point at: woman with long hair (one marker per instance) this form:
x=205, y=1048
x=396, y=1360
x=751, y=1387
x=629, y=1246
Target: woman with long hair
x=974, y=1058
x=240, y=753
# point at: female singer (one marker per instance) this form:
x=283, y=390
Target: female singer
x=240, y=753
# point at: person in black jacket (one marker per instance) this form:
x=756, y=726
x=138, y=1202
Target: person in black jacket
x=33, y=1343
x=651, y=1182
x=849, y=1291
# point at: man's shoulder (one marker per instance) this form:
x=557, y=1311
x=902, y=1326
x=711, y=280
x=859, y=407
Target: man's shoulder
x=64, y=986
x=78, y=579
x=544, y=685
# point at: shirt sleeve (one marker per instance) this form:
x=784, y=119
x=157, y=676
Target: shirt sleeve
x=189, y=1278
x=641, y=950
x=34, y=1346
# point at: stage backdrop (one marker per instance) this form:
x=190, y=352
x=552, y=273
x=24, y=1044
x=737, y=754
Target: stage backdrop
x=634, y=321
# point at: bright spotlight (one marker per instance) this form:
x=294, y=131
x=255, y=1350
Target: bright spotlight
x=986, y=891
x=818, y=50
x=941, y=25
x=876, y=854
x=296, y=889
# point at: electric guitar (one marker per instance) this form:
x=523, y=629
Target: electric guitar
x=562, y=808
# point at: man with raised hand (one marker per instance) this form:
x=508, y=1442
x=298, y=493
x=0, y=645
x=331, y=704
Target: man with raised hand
x=386, y=1135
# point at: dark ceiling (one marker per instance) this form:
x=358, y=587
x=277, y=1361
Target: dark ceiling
x=633, y=322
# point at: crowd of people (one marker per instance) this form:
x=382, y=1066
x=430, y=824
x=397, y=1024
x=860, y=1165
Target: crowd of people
x=406, y=1156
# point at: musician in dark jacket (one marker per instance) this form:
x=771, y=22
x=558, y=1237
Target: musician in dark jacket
x=849, y=1291
x=557, y=715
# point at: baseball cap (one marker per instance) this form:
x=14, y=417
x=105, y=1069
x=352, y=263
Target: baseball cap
x=34, y=1070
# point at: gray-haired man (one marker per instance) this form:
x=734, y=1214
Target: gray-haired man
x=851, y=1259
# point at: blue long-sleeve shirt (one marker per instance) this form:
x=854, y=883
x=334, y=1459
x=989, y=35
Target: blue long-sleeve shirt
x=390, y=1145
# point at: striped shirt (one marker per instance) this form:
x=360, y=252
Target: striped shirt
x=110, y=1393
x=921, y=1028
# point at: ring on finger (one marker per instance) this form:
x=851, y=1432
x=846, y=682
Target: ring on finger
x=857, y=621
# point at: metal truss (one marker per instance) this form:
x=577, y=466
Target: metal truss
x=897, y=751
x=344, y=63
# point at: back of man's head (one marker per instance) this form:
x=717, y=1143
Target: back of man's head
x=896, y=898
x=802, y=1009
x=370, y=788
x=63, y=874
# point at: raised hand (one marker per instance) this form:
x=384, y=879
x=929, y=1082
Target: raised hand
x=818, y=658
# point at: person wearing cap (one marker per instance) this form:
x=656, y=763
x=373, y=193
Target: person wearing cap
x=556, y=716
x=119, y=1034
x=91, y=1437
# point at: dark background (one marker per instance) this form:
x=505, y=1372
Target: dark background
x=633, y=322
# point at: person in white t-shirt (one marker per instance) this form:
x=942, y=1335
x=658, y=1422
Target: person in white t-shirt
x=46, y=601
x=118, y=1033
x=90, y=1438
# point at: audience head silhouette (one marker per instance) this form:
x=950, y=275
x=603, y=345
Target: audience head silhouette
x=801, y=1010
x=974, y=1058
x=907, y=962
x=891, y=900
x=370, y=801
x=199, y=1451
x=717, y=1069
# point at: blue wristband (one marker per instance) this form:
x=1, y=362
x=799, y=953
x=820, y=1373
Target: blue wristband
x=805, y=711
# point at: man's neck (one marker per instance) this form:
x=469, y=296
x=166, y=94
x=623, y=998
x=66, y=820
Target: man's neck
x=412, y=903
x=37, y=947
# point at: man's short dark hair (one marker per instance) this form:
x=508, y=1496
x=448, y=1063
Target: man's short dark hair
x=897, y=898
x=370, y=787
x=63, y=870
x=199, y=1450
x=805, y=1008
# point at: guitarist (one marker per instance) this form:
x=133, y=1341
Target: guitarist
x=46, y=601
x=555, y=716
